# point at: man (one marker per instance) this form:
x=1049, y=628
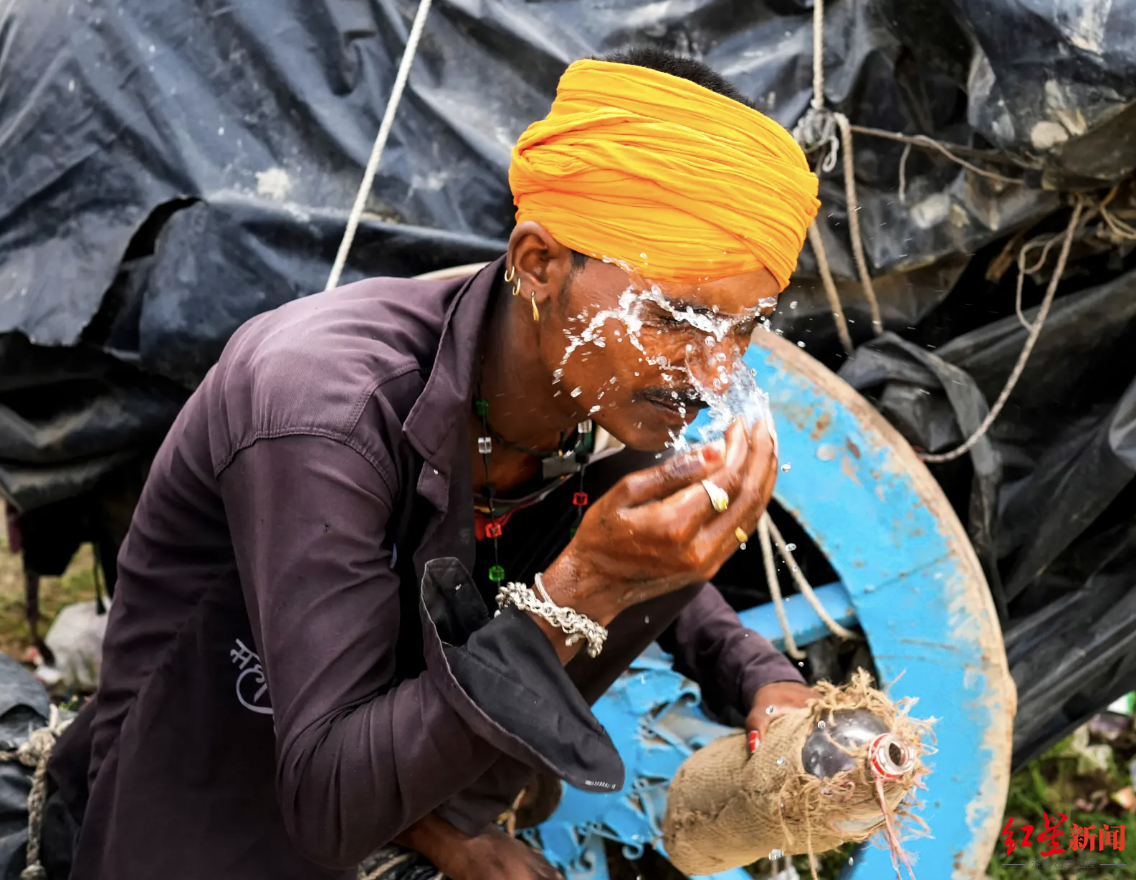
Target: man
x=303, y=664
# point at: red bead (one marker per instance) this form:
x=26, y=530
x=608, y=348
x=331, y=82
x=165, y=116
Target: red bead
x=493, y=530
x=580, y=499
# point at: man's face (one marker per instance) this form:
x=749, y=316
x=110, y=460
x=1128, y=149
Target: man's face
x=640, y=357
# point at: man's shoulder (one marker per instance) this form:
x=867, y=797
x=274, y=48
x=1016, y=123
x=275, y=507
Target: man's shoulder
x=312, y=365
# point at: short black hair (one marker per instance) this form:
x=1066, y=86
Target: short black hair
x=698, y=73
x=676, y=65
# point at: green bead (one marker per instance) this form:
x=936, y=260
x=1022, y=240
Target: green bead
x=496, y=574
x=481, y=406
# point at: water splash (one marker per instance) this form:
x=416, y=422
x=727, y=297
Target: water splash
x=731, y=393
x=734, y=395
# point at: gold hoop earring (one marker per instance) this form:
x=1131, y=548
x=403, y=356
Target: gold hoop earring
x=536, y=311
x=517, y=288
x=510, y=274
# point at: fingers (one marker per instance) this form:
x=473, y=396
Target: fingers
x=744, y=513
x=669, y=477
x=690, y=505
x=761, y=725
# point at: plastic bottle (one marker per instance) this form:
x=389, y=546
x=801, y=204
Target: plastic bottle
x=849, y=730
x=888, y=757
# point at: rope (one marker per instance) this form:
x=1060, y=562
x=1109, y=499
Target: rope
x=380, y=144
x=903, y=174
x=803, y=585
x=382, y=870
x=830, y=290
x=34, y=753
x=952, y=151
x=1031, y=340
x=818, y=127
x=775, y=588
x=1119, y=228
x=854, y=221
x=818, y=55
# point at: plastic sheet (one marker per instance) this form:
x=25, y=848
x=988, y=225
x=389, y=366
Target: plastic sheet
x=170, y=173
x=1048, y=493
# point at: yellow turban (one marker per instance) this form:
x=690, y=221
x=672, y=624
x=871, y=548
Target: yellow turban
x=669, y=178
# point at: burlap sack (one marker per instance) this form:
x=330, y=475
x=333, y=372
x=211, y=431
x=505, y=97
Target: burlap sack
x=727, y=808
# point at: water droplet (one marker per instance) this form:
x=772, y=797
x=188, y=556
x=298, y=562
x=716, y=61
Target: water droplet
x=793, y=304
x=769, y=710
x=557, y=375
x=790, y=547
x=576, y=392
x=786, y=466
x=780, y=760
x=593, y=410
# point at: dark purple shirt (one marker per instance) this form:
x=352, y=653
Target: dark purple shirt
x=297, y=663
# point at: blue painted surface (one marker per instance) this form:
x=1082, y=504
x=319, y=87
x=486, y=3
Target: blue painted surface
x=804, y=623
x=906, y=577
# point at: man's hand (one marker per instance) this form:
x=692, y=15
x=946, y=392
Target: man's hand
x=782, y=697
x=493, y=855
x=657, y=531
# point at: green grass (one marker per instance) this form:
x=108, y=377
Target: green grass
x=1062, y=782
x=76, y=585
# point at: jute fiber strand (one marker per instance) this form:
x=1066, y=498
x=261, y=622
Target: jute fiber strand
x=728, y=808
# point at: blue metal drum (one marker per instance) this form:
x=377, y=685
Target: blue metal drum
x=908, y=576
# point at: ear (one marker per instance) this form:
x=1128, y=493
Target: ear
x=541, y=261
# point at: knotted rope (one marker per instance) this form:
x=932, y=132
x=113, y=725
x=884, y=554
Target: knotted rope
x=821, y=126
x=1031, y=339
x=34, y=753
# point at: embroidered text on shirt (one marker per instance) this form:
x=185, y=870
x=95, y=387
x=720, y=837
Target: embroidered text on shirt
x=242, y=657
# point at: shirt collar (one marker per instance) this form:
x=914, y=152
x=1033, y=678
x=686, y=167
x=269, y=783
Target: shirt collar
x=436, y=423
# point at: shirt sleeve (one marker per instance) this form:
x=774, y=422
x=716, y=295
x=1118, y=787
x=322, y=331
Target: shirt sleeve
x=359, y=757
x=730, y=662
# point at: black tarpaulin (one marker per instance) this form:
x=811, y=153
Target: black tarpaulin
x=170, y=171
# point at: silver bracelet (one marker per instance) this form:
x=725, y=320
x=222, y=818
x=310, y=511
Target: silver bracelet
x=537, y=601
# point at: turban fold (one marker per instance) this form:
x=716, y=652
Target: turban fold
x=664, y=176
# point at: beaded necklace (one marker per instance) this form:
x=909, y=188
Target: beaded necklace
x=558, y=465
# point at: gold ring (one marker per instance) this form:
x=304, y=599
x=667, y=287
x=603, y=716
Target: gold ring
x=742, y=537
x=719, y=500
